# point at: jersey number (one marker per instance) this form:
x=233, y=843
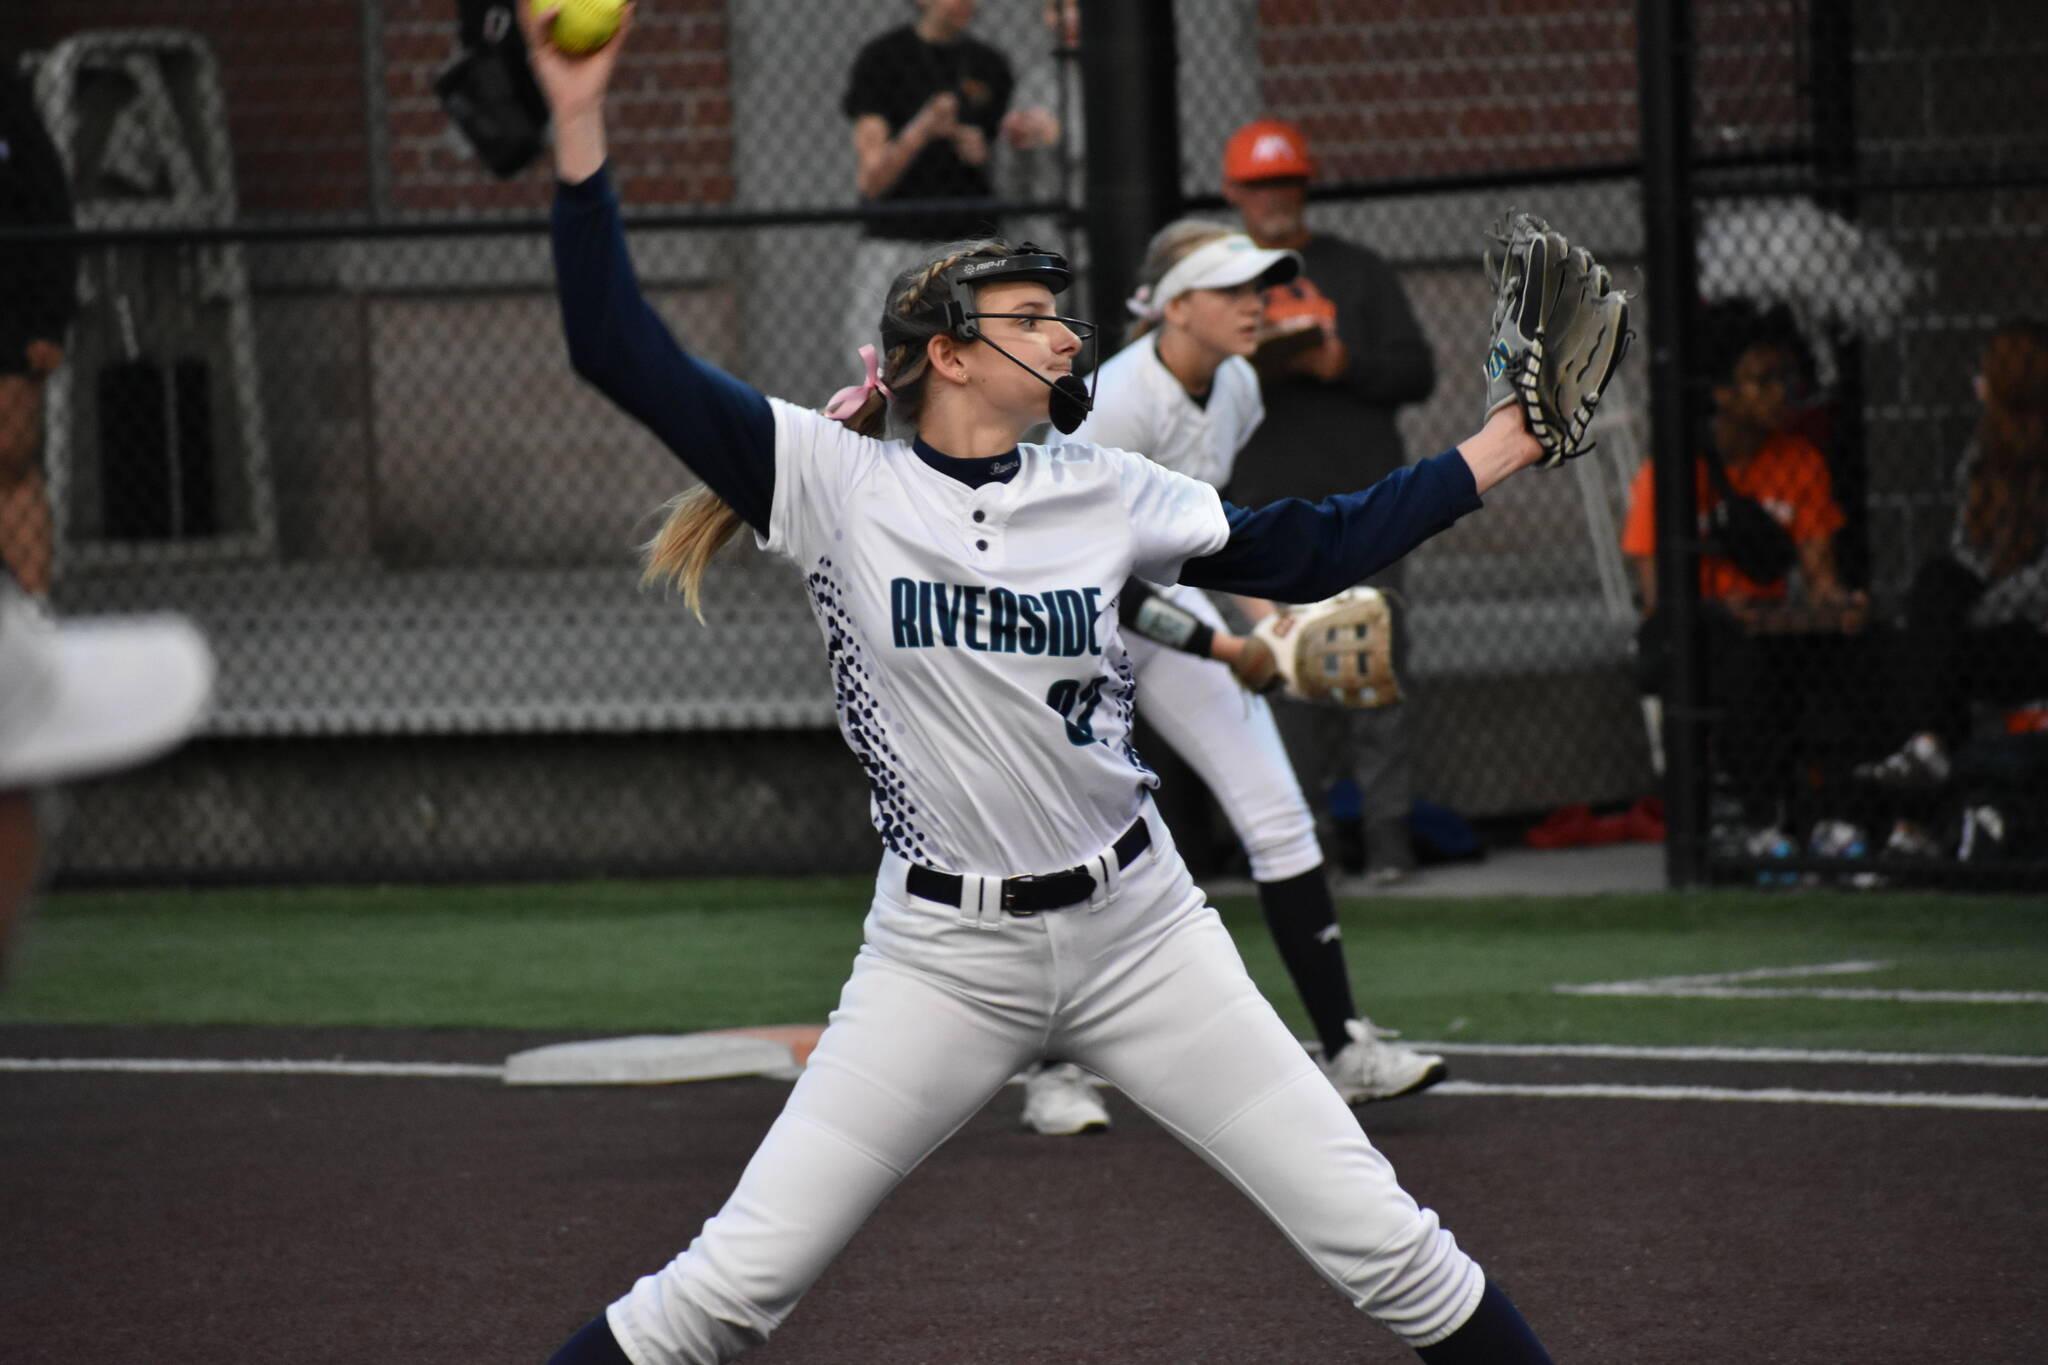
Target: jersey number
x=1076, y=701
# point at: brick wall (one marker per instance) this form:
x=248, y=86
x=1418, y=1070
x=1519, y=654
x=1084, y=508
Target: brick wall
x=669, y=114
x=1396, y=88
x=292, y=76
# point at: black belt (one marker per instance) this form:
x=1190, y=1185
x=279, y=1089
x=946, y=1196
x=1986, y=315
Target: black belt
x=1029, y=895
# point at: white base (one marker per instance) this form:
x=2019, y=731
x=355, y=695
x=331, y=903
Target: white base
x=649, y=1059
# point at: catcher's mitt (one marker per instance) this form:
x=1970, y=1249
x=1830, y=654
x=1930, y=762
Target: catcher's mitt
x=1560, y=329
x=1339, y=651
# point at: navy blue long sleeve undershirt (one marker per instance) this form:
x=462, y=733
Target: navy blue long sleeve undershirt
x=719, y=426
x=723, y=430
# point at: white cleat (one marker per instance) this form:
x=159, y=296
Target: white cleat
x=1371, y=1068
x=1059, y=1101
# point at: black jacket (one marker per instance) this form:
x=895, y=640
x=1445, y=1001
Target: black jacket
x=38, y=281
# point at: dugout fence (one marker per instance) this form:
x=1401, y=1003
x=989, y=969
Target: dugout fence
x=315, y=396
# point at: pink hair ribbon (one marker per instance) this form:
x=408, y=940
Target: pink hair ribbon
x=847, y=403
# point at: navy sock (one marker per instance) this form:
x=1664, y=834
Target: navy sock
x=593, y=1345
x=1495, y=1334
x=1302, y=918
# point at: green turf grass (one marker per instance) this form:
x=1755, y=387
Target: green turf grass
x=678, y=956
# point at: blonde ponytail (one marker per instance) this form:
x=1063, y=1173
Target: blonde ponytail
x=695, y=526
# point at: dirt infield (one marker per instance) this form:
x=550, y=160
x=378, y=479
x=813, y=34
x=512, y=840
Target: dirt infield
x=172, y=1218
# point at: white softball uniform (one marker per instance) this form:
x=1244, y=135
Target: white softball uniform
x=981, y=679
x=1227, y=735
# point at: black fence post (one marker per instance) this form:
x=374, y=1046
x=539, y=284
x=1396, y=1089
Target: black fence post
x=1831, y=39
x=1664, y=73
x=1129, y=64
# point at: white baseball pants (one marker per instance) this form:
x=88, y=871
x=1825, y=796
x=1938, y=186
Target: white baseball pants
x=1230, y=739
x=1143, y=986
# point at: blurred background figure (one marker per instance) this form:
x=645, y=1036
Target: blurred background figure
x=1776, y=615
x=1041, y=138
x=79, y=698
x=38, y=298
x=1976, y=623
x=1343, y=354
x=928, y=104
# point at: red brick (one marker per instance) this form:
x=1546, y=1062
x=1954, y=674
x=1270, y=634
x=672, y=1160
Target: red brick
x=1410, y=124
x=1378, y=11
x=418, y=47
x=1283, y=50
x=408, y=123
x=1487, y=121
x=1456, y=82
x=1285, y=13
x=1408, y=42
x=1375, y=85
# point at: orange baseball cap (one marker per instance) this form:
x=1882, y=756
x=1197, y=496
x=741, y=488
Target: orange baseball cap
x=1267, y=149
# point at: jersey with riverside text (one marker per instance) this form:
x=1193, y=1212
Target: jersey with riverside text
x=971, y=632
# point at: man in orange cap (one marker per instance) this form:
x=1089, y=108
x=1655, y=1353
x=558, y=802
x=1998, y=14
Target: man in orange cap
x=1345, y=353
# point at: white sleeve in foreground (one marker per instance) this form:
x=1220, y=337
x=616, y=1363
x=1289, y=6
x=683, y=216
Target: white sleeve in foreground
x=1173, y=518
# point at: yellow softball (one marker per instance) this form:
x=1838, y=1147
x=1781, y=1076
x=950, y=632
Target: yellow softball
x=582, y=25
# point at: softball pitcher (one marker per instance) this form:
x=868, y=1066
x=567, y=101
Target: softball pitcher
x=1029, y=902
x=1184, y=393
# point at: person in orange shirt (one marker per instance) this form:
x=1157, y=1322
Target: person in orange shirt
x=1781, y=470
x=1767, y=649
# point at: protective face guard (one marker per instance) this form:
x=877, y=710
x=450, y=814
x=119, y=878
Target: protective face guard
x=1072, y=401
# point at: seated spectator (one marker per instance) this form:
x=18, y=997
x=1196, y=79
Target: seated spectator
x=1976, y=626
x=1767, y=518
x=38, y=299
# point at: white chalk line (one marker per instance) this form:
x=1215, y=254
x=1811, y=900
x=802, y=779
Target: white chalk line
x=175, y=1066
x=1720, y=986
x=1763, y=974
x=1726, y=1094
x=1766, y=974
x=1780, y=993
x=1624, y=1052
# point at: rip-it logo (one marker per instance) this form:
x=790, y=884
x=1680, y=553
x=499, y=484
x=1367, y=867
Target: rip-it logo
x=1497, y=360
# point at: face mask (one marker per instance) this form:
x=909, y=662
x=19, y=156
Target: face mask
x=1071, y=400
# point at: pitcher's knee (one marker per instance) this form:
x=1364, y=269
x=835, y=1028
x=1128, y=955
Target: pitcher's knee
x=1422, y=1285
x=1282, y=846
x=689, y=1313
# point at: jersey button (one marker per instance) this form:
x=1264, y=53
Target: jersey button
x=981, y=516
x=981, y=545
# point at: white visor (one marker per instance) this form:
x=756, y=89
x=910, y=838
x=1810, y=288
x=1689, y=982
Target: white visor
x=92, y=695
x=1224, y=264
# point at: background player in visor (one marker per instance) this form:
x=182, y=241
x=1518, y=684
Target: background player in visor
x=1029, y=902
x=1184, y=392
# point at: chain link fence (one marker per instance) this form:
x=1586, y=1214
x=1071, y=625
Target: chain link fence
x=315, y=396
x=1876, y=712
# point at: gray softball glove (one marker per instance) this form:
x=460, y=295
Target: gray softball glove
x=1560, y=329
